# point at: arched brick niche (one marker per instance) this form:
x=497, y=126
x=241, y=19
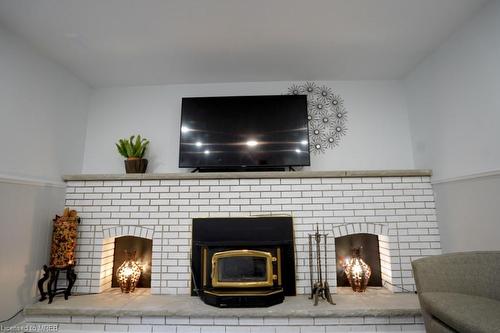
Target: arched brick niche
x=386, y=248
x=95, y=266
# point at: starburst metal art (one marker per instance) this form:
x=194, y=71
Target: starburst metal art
x=295, y=90
x=317, y=145
x=332, y=140
x=325, y=94
x=339, y=129
x=326, y=114
x=309, y=88
x=341, y=115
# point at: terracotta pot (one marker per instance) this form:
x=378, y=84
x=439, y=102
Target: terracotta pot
x=136, y=165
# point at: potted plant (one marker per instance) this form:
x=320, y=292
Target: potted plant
x=133, y=151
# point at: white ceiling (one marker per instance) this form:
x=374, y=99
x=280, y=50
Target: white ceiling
x=136, y=42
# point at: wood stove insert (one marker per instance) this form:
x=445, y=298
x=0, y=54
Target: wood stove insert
x=243, y=262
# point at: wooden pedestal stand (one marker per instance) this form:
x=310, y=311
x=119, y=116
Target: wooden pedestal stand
x=52, y=274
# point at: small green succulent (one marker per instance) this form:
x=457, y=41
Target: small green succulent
x=129, y=148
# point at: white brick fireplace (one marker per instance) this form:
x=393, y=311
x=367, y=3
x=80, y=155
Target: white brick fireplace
x=398, y=206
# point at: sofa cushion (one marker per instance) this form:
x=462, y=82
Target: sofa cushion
x=464, y=313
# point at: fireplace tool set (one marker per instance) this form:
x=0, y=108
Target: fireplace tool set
x=319, y=287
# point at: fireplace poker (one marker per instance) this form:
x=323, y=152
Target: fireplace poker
x=318, y=256
x=311, y=267
x=317, y=289
x=326, y=286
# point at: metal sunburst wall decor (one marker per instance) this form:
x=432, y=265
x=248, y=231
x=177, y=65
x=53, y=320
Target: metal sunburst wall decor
x=326, y=113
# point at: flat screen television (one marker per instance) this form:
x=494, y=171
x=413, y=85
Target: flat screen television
x=244, y=132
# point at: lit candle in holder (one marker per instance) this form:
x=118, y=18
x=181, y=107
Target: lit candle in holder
x=128, y=273
x=357, y=271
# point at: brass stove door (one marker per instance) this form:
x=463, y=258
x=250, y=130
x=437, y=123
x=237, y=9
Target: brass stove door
x=242, y=269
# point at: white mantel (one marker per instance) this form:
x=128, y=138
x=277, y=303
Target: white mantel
x=250, y=175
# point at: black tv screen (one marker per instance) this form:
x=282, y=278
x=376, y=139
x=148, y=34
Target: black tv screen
x=244, y=132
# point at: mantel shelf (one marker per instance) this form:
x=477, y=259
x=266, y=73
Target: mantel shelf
x=253, y=175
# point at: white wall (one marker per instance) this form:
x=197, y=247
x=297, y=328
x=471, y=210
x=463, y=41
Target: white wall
x=378, y=130
x=469, y=213
x=453, y=101
x=454, y=114
x=26, y=213
x=43, y=113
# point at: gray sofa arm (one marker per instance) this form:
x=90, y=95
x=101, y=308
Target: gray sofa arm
x=471, y=273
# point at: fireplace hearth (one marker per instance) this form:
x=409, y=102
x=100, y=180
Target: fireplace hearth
x=243, y=262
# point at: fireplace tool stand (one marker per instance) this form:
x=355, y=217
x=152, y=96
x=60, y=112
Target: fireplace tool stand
x=319, y=287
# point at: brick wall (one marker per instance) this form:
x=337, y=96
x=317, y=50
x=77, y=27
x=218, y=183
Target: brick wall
x=400, y=210
x=367, y=324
